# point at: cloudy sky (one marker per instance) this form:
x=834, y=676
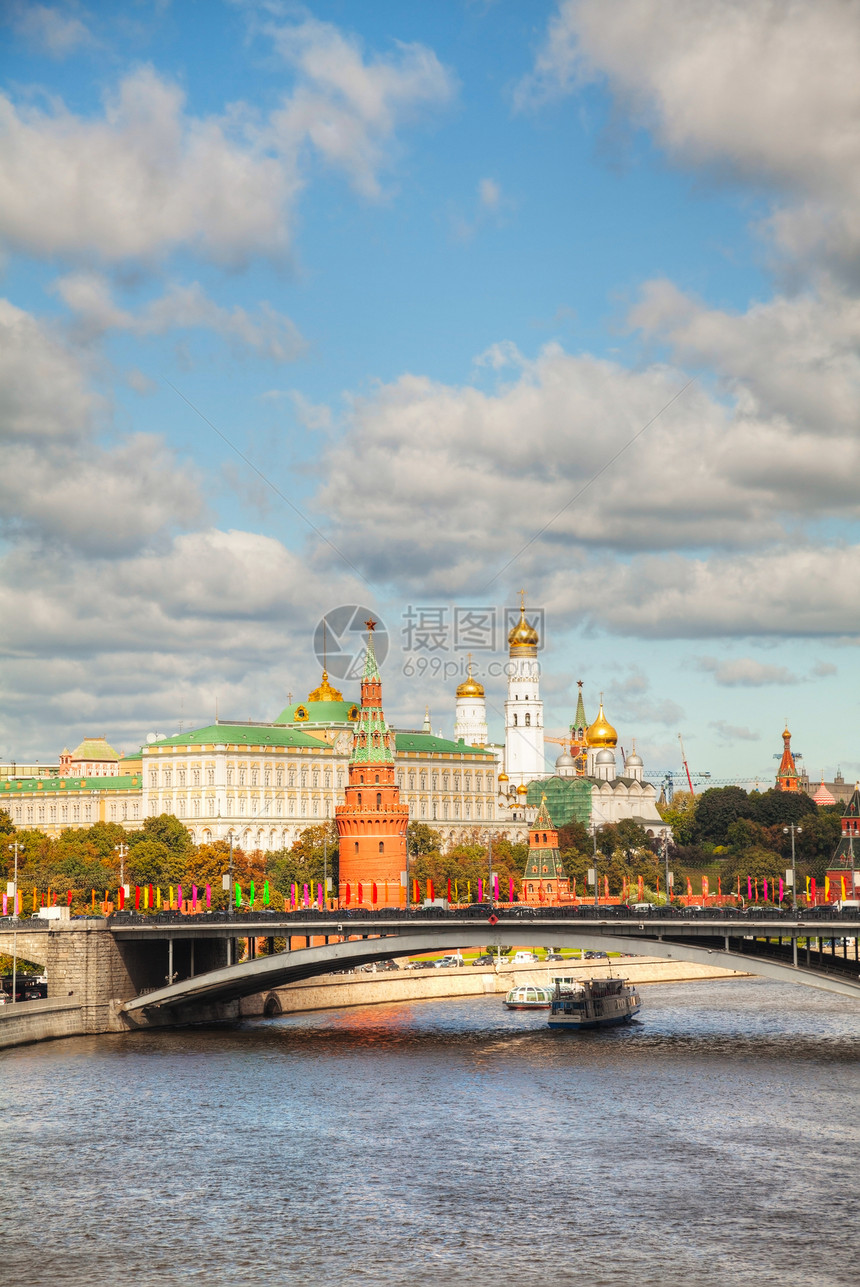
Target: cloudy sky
x=406, y=306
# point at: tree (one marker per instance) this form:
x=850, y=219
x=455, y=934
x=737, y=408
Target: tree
x=166, y=829
x=717, y=809
x=7, y=826
x=780, y=807
x=681, y=816
x=422, y=839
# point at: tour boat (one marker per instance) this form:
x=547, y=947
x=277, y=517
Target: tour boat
x=592, y=1003
x=529, y=997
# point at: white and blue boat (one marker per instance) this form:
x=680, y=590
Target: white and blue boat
x=592, y=1003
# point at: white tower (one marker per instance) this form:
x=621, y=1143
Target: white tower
x=471, y=718
x=602, y=740
x=524, y=752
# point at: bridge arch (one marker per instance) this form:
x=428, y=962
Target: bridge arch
x=266, y=973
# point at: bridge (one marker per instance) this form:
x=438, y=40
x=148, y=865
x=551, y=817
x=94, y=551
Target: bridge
x=131, y=969
x=808, y=948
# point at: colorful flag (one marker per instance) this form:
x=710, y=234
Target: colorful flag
x=179, y=897
x=510, y=889
x=209, y=896
x=749, y=889
x=137, y=898
x=689, y=888
x=641, y=888
x=807, y=887
x=468, y=891
x=814, y=890
x=765, y=888
x=347, y=895
x=456, y=892
x=430, y=892
x=842, y=878
x=266, y=893
x=449, y=889
x=780, y=888
x=720, y=886
x=306, y=901
x=416, y=896
x=359, y=893
x=238, y=894
x=706, y=888
x=5, y=903
x=373, y=892
x=319, y=896
x=159, y=902
x=69, y=899
x=827, y=889
x=120, y=898
x=496, y=886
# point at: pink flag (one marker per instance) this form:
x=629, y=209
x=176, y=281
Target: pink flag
x=306, y=897
x=5, y=903
x=480, y=891
x=319, y=897
x=511, y=889
x=179, y=897
x=765, y=888
x=495, y=887
x=749, y=888
x=194, y=898
x=780, y=889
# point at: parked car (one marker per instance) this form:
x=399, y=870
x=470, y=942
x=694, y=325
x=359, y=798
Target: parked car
x=448, y=962
x=554, y=956
x=594, y=956
x=523, y=958
x=387, y=965
x=486, y=959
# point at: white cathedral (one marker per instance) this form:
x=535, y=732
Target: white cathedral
x=591, y=754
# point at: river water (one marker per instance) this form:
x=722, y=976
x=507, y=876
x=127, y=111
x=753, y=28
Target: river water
x=445, y=1142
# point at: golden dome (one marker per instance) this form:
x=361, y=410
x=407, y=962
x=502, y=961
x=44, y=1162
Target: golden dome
x=470, y=686
x=325, y=692
x=503, y=777
x=601, y=733
x=523, y=635
x=522, y=789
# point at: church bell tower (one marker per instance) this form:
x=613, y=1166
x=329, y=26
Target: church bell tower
x=524, y=748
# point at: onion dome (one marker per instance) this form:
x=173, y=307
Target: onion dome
x=633, y=760
x=503, y=777
x=325, y=692
x=604, y=757
x=601, y=732
x=565, y=761
x=823, y=796
x=470, y=687
x=522, y=789
x=523, y=637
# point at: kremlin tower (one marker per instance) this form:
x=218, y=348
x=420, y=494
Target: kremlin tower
x=524, y=749
x=371, y=823
x=787, y=777
x=544, y=879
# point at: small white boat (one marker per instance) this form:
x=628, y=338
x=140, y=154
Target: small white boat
x=529, y=997
x=592, y=1003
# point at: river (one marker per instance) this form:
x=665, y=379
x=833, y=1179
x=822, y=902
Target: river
x=445, y=1142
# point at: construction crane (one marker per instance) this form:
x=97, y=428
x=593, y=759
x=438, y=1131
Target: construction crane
x=686, y=765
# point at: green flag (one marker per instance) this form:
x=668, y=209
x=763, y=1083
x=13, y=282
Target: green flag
x=266, y=894
x=238, y=894
x=252, y=895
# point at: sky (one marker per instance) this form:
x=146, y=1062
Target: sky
x=342, y=309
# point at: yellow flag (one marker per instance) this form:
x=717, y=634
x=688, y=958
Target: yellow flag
x=826, y=888
x=842, y=878
x=456, y=893
x=468, y=891
x=170, y=888
x=807, y=886
x=158, y=898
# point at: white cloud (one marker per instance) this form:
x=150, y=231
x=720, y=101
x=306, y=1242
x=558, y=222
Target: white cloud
x=728, y=733
x=629, y=699
x=768, y=91
x=745, y=672
x=490, y=194
x=268, y=333
x=146, y=177
x=48, y=28
x=460, y=480
x=59, y=483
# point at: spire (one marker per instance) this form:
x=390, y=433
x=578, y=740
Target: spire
x=543, y=821
x=579, y=719
x=787, y=777
x=425, y=727
x=371, y=670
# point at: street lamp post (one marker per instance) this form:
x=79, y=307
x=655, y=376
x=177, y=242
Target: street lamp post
x=122, y=850
x=792, y=828
x=14, y=848
x=230, y=879
x=596, y=877
x=666, y=863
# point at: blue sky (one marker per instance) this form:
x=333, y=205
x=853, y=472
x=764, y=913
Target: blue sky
x=429, y=268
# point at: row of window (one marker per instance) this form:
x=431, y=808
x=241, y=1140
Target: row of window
x=73, y=811
x=314, y=778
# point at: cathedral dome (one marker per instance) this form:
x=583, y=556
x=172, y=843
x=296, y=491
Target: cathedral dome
x=565, y=761
x=601, y=732
x=604, y=757
x=470, y=686
x=325, y=692
x=503, y=777
x=522, y=789
x=633, y=761
x=523, y=635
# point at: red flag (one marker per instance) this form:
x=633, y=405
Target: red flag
x=137, y=898
x=373, y=892
x=449, y=889
x=347, y=896
x=69, y=898
x=359, y=898
x=720, y=886
x=813, y=890
x=430, y=893
x=151, y=896
x=641, y=884
x=416, y=893
x=689, y=888
x=120, y=898
x=705, y=887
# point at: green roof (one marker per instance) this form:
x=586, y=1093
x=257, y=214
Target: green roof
x=95, y=748
x=327, y=713
x=567, y=799
x=18, y=786
x=251, y=734
x=426, y=742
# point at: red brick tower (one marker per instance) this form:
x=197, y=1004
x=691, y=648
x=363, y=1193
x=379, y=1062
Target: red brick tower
x=544, y=880
x=371, y=823
x=787, y=777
